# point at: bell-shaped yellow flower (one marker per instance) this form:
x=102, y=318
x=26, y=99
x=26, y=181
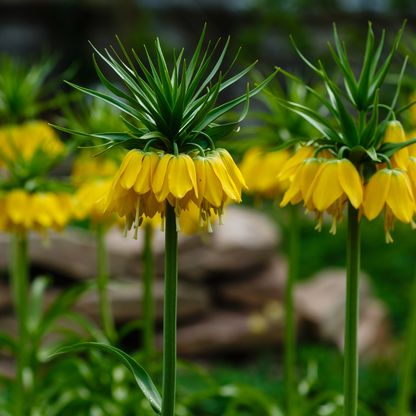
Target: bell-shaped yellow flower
x=131, y=185
x=219, y=180
x=301, y=182
x=389, y=190
x=335, y=178
x=261, y=169
x=395, y=134
x=291, y=165
x=89, y=202
x=39, y=211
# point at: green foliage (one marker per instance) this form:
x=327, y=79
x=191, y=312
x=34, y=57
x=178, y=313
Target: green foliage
x=25, y=88
x=359, y=136
x=177, y=107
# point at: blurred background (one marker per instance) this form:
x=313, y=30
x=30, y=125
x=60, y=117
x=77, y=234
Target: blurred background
x=230, y=302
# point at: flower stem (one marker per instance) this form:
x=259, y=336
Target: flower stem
x=169, y=314
x=102, y=270
x=290, y=329
x=20, y=282
x=406, y=382
x=351, y=314
x=148, y=305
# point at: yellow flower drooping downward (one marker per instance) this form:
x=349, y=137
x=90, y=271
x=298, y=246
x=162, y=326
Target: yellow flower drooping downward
x=395, y=134
x=21, y=211
x=389, y=190
x=146, y=180
x=325, y=185
x=219, y=180
x=130, y=192
x=261, y=169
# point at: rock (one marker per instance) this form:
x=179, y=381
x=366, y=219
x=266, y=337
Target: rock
x=321, y=302
x=246, y=242
x=193, y=301
x=261, y=288
x=225, y=331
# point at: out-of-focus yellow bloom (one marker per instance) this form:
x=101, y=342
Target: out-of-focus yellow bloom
x=389, y=190
x=260, y=171
x=87, y=167
x=395, y=134
x=412, y=148
x=24, y=142
x=21, y=211
x=89, y=201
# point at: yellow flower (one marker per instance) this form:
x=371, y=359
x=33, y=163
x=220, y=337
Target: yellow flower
x=334, y=179
x=39, y=211
x=391, y=191
x=260, y=171
x=89, y=201
x=219, y=180
x=24, y=142
x=301, y=182
x=412, y=135
x=395, y=134
x=291, y=165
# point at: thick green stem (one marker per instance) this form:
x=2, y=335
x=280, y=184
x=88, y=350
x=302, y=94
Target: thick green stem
x=102, y=271
x=148, y=304
x=19, y=283
x=290, y=328
x=169, y=314
x=351, y=314
x=408, y=364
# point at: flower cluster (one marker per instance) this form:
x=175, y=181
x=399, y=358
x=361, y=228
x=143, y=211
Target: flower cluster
x=146, y=180
x=261, y=168
x=326, y=183
x=21, y=211
x=171, y=134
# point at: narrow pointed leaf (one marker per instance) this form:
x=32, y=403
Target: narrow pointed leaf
x=142, y=378
x=364, y=82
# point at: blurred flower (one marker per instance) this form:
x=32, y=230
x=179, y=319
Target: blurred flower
x=32, y=145
x=21, y=211
x=389, y=190
x=261, y=169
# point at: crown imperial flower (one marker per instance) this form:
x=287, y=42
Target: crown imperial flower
x=389, y=190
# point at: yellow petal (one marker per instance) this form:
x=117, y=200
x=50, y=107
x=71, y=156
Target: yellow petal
x=350, y=182
x=16, y=205
x=400, y=198
x=143, y=184
x=129, y=176
x=222, y=174
x=179, y=178
x=213, y=189
x=290, y=167
x=294, y=188
x=376, y=192
x=126, y=204
x=232, y=170
x=200, y=179
x=310, y=169
x=160, y=176
x=327, y=189
x=192, y=172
